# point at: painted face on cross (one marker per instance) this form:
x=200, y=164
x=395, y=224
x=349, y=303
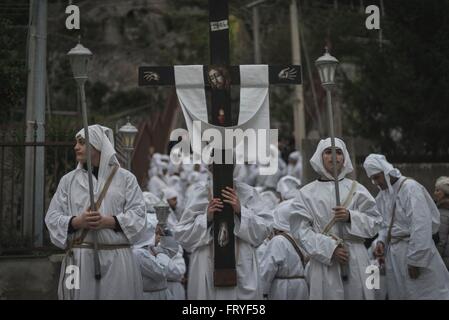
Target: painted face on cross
x=218, y=78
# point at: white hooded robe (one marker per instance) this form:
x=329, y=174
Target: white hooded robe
x=120, y=273
x=416, y=219
x=312, y=212
x=281, y=266
x=196, y=237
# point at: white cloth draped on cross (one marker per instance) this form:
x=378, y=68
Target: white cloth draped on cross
x=254, y=100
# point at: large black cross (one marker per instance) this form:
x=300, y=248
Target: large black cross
x=220, y=100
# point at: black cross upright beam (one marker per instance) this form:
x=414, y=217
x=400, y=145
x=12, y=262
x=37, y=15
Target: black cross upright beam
x=224, y=256
x=225, y=273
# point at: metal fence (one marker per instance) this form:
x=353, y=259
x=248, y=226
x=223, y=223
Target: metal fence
x=58, y=159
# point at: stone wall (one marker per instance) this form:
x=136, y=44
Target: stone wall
x=29, y=277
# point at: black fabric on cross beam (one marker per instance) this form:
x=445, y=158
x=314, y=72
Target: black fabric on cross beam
x=166, y=75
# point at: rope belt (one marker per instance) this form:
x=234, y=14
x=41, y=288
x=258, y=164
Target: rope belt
x=155, y=290
x=355, y=239
x=292, y=277
x=102, y=246
x=396, y=239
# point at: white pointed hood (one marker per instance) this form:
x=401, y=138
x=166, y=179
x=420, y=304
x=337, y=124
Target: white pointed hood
x=288, y=187
x=270, y=199
x=317, y=159
x=281, y=216
x=376, y=163
x=101, y=138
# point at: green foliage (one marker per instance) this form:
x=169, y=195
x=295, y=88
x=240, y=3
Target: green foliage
x=401, y=100
x=12, y=69
x=398, y=101
x=129, y=99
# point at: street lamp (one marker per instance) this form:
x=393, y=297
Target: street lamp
x=80, y=58
x=326, y=65
x=128, y=132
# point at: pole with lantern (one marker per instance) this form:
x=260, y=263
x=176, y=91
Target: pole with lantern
x=326, y=65
x=128, y=132
x=80, y=58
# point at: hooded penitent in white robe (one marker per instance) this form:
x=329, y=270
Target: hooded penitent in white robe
x=241, y=173
x=196, y=237
x=175, y=273
x=270, y=199
x=175, y=182
x=174, y=267
x=267, y=181
x=288, y=187
x=281, y=268
x=253, y=172
x=175, y=214
x=158, y=182
x=295, y=170
x=120, y=273
x=154, y=268
x=312, y=210
x=193, y=178
x=416, y=219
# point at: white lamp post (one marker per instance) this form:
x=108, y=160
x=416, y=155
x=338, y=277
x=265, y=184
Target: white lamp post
x=128, y=132
x=80, y=58
x=326, y=66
